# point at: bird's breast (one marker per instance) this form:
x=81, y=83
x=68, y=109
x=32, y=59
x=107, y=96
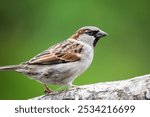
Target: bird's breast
x=87, y=57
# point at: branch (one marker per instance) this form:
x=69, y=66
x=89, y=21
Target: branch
x=137, y=88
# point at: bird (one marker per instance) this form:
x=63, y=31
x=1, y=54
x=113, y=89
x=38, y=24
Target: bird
x=63, y=62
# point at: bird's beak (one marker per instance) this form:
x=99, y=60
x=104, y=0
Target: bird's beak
x=101, y=34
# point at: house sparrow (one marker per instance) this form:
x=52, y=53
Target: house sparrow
x=63, y=62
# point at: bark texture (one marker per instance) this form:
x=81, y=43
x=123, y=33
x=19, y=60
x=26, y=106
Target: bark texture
x=137, y=88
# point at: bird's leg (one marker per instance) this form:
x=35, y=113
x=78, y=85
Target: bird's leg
x=47, y=89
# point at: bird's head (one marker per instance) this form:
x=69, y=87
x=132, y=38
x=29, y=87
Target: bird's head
x=89, y=35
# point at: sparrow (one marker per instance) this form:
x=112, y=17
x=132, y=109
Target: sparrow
x=62, y=63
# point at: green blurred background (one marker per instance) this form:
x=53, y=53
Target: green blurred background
x=28, y=27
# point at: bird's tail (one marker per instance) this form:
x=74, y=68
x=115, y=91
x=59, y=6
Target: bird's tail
x=11, y=67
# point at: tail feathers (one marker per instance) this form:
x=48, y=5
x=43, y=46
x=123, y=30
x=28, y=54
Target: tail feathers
x=11, y=67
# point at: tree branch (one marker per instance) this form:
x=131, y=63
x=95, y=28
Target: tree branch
x=137, y=88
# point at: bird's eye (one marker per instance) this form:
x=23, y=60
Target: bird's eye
x=91, y=33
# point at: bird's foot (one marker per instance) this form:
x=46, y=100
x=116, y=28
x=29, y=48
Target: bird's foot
x=48, y=90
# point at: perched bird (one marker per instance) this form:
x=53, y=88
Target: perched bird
x=63, y=62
